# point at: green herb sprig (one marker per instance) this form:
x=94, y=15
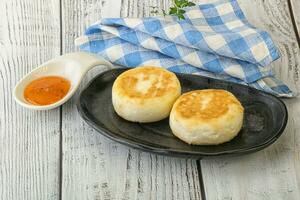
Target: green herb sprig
x=177, y=9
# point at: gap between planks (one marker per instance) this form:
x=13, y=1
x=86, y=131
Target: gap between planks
x=60, y=110
x=293, y=16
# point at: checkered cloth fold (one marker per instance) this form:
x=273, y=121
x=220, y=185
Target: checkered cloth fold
x=214, y=40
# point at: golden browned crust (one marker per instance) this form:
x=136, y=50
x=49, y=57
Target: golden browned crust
x=157, y=81
x=205, y=104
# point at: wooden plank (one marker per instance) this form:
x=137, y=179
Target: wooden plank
x=29, y=140
x=294, y=10
x=273, y=173
x=97, y=168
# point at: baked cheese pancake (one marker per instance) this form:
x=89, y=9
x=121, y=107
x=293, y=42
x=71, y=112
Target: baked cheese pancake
x=206, y=104
x=147, y=82
x=145, y=94
x=206, y=117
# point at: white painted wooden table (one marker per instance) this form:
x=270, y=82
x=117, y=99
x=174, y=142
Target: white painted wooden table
x=55, y=155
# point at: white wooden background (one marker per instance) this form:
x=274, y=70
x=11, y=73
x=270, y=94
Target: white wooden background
x=55, y=155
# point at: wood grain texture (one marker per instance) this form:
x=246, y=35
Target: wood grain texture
x=97, y=168
x=295, y=6
x=273, y=173
x=29, y=141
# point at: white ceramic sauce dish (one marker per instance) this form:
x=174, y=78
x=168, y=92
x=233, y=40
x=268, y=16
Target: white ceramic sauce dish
x=72, y=66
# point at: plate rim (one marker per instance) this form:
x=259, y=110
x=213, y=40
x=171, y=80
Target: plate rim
x=173, y=152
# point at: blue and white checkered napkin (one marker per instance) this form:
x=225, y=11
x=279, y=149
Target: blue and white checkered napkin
x=214, y=40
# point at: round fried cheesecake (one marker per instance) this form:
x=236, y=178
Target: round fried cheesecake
x=206, y=117
x=145, y=94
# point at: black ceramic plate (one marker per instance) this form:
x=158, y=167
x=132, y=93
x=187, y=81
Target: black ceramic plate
x=264, y=121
